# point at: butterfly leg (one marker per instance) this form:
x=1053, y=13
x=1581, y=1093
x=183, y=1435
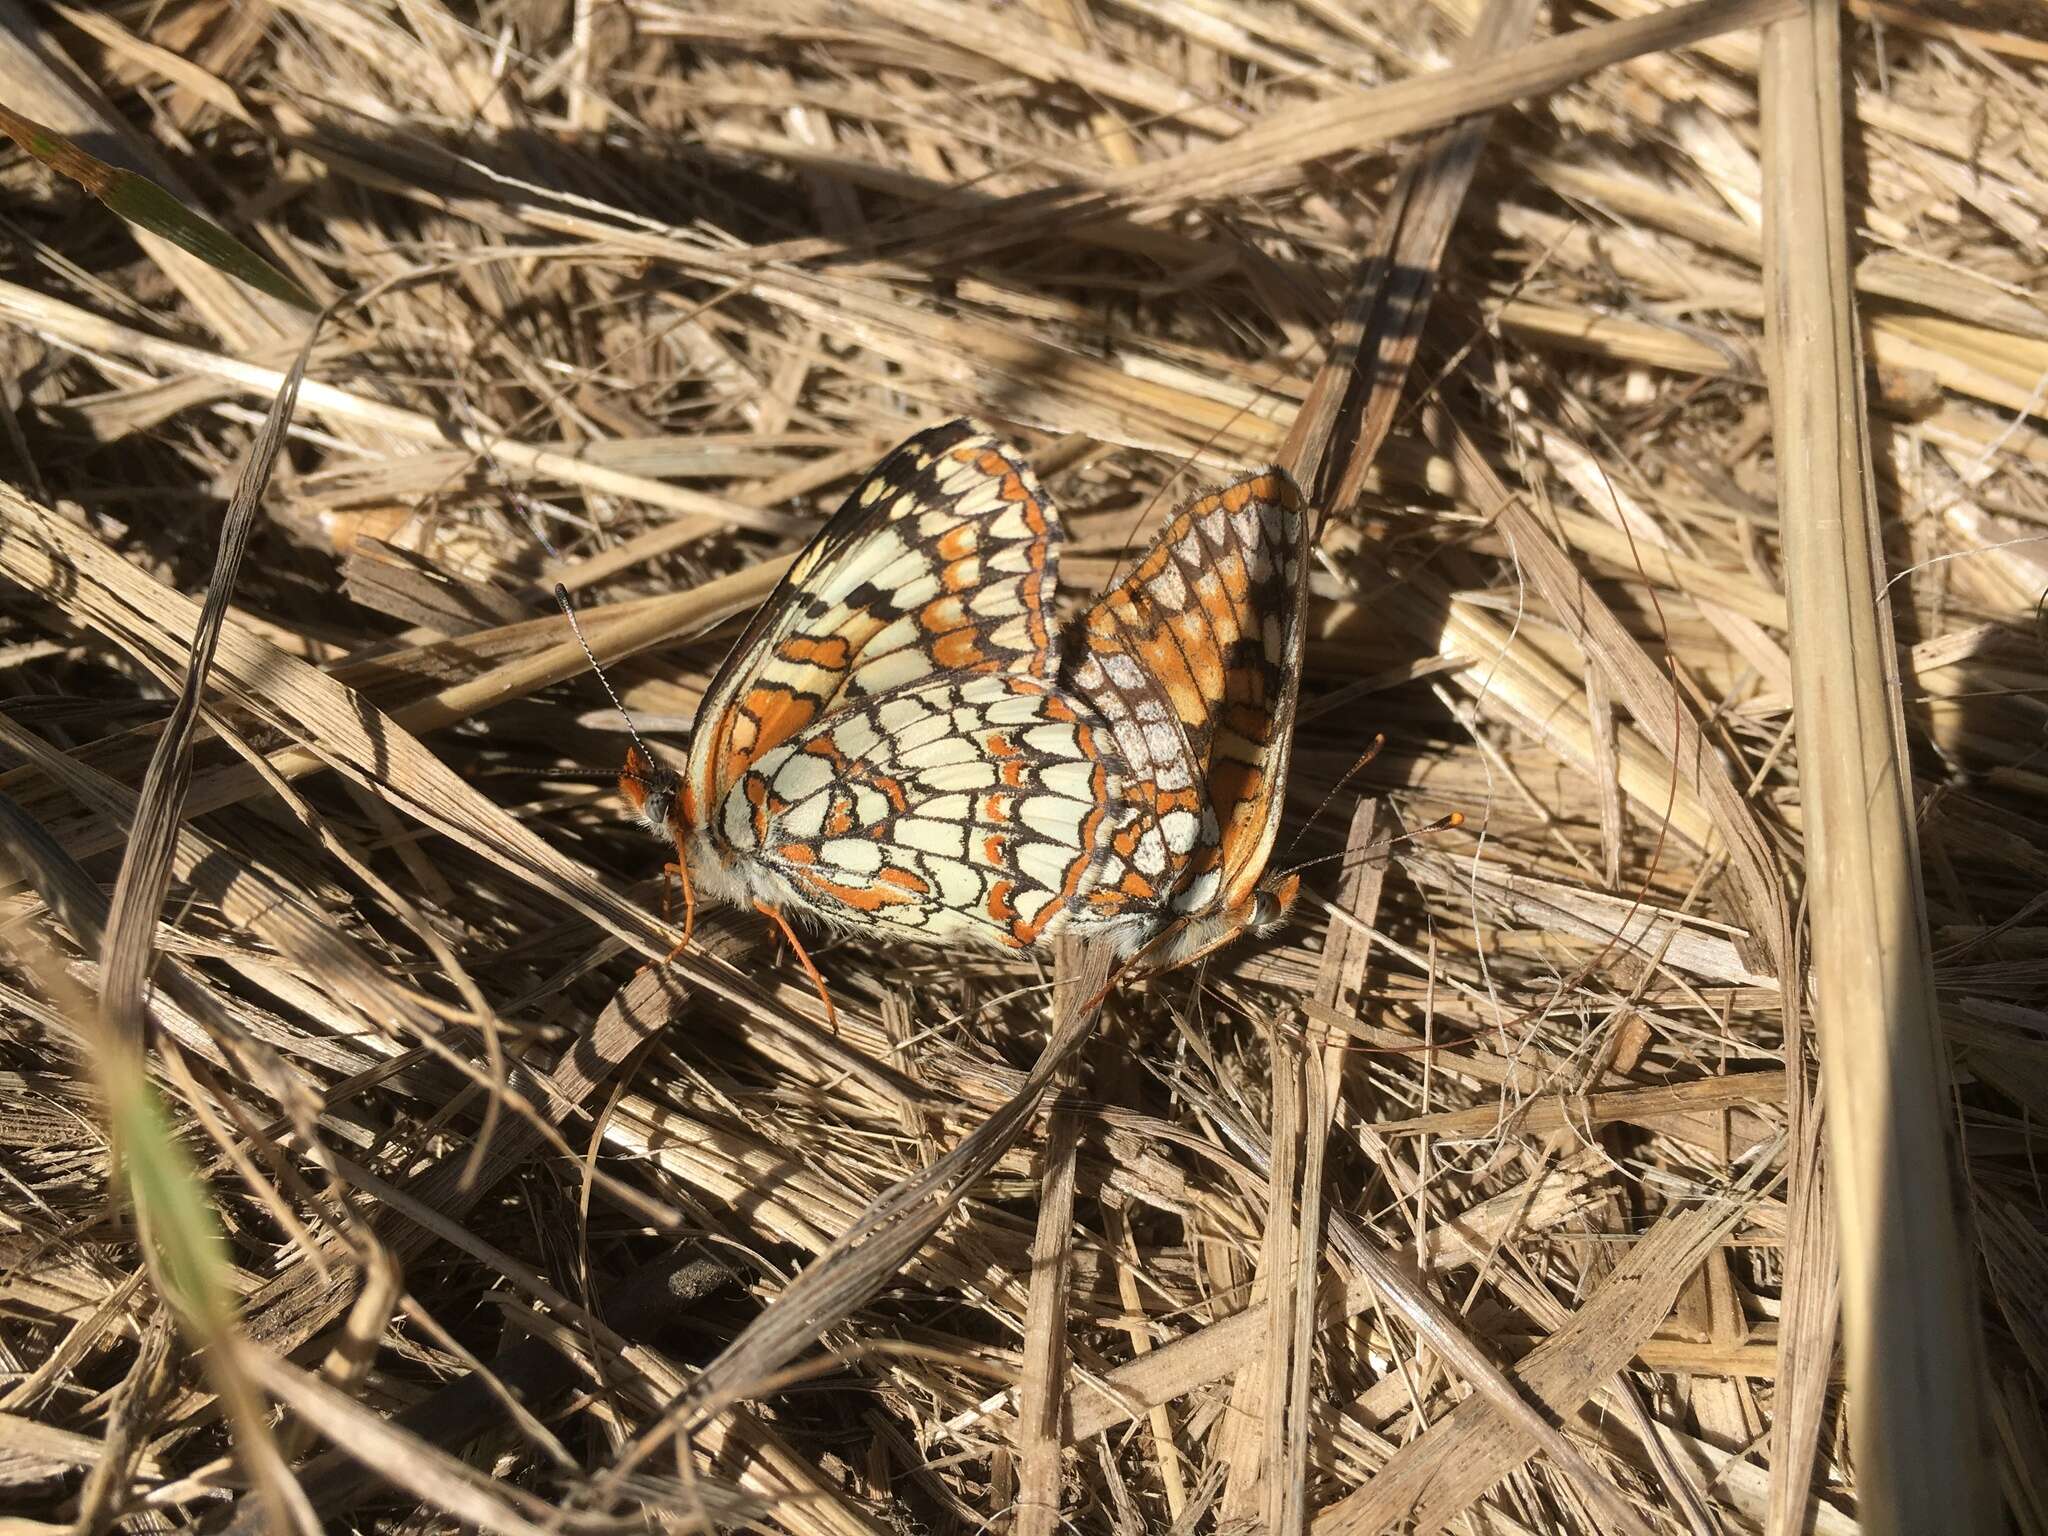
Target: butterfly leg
x=668, y=895
x=667, y=874
x=804, y=959
x=669, y=871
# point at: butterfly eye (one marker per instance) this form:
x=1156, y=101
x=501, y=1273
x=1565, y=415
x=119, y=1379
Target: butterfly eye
x=649, y=790
x=1271, y=901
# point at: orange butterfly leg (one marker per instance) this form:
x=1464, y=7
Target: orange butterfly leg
x=803, y=959
x=681, y=867
x=685, y=941
x=669, y=872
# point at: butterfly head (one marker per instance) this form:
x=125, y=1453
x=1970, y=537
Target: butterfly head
x=652, y=791
x=655, y=795
x=1271, y=903
x=1262, y=910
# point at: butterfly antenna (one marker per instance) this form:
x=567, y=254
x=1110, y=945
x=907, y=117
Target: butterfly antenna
x=641, y=756
x=538, y=529
x=1379, y=740
x=569, y=613
x=1447, y=822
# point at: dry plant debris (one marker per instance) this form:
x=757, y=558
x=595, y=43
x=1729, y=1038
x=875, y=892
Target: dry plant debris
x=1492, y=1195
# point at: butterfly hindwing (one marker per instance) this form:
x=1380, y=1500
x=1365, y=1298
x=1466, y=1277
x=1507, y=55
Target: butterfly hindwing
x=976, y=808
x=1194, y=662
x=944, y=560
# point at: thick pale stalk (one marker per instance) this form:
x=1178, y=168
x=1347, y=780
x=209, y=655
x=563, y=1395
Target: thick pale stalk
x=1910, y=1329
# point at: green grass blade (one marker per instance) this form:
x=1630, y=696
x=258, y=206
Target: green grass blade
x=148, y=206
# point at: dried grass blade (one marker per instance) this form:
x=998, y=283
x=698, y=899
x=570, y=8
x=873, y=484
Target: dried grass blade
x=146, y=867
x=1293, y=1248
x=437, y=1479
x=1656, y=705
x=1041, y=1393
x=1439, y=1329
x=1812, y=1305
x=1356, y=391
x=1914, y=1357
x=1433, y=1478
x=874, y=1249
x=179, y=1235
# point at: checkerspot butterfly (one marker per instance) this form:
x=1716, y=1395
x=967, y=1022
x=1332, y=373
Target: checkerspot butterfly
x=905, y=740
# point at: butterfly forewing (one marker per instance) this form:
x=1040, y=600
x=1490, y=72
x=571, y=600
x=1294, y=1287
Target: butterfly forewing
x=1194, y=662
x=943, y=561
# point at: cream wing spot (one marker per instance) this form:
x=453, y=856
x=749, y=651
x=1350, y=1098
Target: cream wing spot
x=854, y=737
x=1123, y=671
x=854, y=855
x=1045, y=863
x=971, y=776
x=1021, y=710
x=906, y=743
x=945, y=751
x=1011, y=524
x=959, y=886
x=917, y=591
x=928, y=835
x=800, y=774
x=1076, y=781
x=1170, y=590
x=906, y=567
x=1053, y=817
x=1052, y=741
x=899, y=634
x=1010, y=560
x=894, y=671
x=979, y=502
x=738, y=819
x=1179, y=829
x=1031, y=903
x=1199, y=892
x=805, y=819
x=994, y=600
x=897, y=715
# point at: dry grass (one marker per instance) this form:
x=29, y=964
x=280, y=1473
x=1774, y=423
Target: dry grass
x=1496, y=1193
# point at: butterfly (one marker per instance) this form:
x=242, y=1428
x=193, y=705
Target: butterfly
x=905, y=740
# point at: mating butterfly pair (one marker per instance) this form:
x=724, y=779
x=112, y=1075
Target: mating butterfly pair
x=905, y=742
